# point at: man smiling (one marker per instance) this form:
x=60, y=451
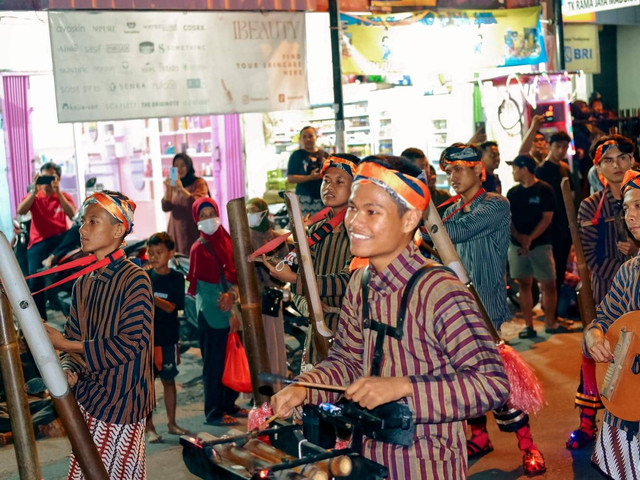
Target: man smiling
x=441, y=349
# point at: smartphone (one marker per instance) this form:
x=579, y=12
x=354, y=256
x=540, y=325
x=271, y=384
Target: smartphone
x=480, y=127
x=173, y=175
x=45, y=180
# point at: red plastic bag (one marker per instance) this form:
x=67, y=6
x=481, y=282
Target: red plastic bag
x=236, y=374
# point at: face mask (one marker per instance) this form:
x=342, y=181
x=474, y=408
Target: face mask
x=209, y=226
x=255, y=218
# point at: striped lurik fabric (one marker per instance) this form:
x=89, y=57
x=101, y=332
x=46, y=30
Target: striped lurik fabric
x=481, y=237
x=599, y=242
x=446, y=352
x=112, y=314
x=331, y=258
x=616, y=456
x=121, y=448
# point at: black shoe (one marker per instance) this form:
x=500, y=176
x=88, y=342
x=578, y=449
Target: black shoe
x=527, y=332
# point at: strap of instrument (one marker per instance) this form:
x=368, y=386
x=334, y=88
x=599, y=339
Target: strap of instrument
x=381, y=329
x=112, y=257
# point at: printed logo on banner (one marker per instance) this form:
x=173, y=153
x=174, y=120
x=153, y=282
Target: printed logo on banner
x=70, y=29
x=146, y=47
x=162, y=28
x=130, y=27
x=117, y=48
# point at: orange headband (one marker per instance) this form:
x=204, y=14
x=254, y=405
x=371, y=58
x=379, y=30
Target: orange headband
x=412, y=192
x=631, y=180
x=340, y=163
x=601, y=150
x=121, y=210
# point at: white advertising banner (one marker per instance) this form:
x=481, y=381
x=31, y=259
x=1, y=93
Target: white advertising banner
x=577, y=7
x=123, y=65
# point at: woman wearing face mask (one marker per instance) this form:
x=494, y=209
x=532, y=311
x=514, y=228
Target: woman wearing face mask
x=179, y=198
x=262, y=232
x=212, y=279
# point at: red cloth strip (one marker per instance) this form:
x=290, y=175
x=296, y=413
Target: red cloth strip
x=94, y=266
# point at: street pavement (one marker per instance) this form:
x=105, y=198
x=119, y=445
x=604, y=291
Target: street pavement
x=556, y=359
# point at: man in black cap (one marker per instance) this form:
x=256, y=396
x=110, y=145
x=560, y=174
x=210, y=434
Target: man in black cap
x=530, y=252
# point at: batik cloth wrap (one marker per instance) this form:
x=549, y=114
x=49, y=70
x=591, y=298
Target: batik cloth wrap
x=120, y=209
x=631, y=180
x=410, y=191
x=121, y=448
x=465, y=155
x=337, y=162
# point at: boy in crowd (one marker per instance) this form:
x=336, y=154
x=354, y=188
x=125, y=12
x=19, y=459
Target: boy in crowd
x=442, y=349
x=50, y=207
x=478, y=224
x=491, y=160
x=530, y=252
x=168, y=298
x=606, y=246
x=108, y=339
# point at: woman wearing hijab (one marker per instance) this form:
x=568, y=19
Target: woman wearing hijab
x=212, y=279
x=179, y=198
x=262, y=232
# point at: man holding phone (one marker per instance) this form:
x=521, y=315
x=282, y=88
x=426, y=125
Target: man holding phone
x=49, y=209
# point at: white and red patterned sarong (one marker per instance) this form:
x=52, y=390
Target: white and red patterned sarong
x=616, y=456
x=121, y=448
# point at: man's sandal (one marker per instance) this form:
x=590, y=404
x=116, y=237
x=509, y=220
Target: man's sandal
x=580, y=438
x=533, y=463
x=476, y=451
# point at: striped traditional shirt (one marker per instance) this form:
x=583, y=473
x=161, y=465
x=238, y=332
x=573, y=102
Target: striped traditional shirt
x=446, y=352
x=331, y=258
x=112, y=315
x=599, y=242
x=623, y=297
x=481, y=237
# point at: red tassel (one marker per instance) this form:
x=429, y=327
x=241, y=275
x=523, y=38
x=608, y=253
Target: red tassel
x=526, y=392
x=257, y=417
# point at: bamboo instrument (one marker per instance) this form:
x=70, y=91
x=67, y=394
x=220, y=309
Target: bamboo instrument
x=585, y=294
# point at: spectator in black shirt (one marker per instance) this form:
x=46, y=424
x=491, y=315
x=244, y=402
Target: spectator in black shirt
x=552, y=171
x=530, y=253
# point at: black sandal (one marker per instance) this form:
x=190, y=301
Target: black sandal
x=528, y=332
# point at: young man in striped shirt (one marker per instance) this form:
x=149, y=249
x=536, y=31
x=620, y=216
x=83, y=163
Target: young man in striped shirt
x=442, y=349
x=107, y=342
x=617, y=450
x=606, y=246
x=478, y=223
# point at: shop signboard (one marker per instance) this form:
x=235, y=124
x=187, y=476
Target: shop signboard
x=582, y=48
x=124, y=65
x=577, y=7
x=443, y=40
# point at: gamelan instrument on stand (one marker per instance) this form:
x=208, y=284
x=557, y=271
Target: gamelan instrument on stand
x=294, y=452
x=620, y=387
